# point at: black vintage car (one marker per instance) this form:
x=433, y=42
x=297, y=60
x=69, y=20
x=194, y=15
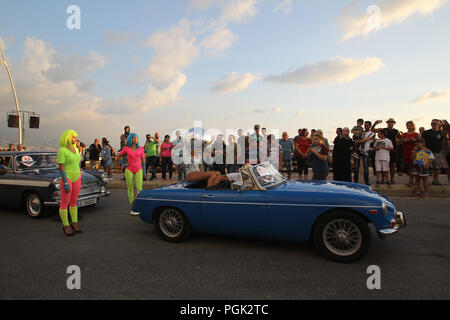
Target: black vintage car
x=32, y=182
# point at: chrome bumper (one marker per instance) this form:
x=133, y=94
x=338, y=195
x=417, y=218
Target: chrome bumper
x=105, y=193
x=397, y=223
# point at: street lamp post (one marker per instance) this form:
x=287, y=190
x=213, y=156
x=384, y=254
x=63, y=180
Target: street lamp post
x=5, y=63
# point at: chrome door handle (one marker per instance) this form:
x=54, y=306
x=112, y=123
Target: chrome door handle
x=208, y=196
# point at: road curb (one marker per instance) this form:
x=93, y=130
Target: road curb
x=398, y=191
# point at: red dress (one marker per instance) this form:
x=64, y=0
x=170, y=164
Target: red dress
x=408, y=147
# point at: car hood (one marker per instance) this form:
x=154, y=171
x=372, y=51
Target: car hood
x=51, y=174
x=343, y=190
x=325, y=186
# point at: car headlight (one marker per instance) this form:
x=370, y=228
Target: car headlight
x=384, y=207
x=105, y=178
x=56, y=183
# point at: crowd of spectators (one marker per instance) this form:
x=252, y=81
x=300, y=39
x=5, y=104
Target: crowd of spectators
x=387, y=150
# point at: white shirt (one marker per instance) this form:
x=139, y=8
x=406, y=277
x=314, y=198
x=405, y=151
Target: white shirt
x=366, y=145
x=383, y=154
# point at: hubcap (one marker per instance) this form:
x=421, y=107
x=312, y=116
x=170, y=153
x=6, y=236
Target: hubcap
x=34, y=205
x=342, y=237
x=171, y=223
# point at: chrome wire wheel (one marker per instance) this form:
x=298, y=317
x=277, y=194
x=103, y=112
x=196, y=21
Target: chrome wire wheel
x=342, y=237
x=34, y=205
x=171, y=223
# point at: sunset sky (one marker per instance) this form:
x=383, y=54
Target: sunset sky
x=161, y=65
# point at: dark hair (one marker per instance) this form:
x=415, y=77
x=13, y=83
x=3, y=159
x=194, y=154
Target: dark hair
x=360, y=121
x=369, y=122
x=126, y=127
x=166, y=136
x=303, y=132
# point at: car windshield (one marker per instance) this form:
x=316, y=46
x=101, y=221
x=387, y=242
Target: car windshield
x=266, y=175
x=36, y=161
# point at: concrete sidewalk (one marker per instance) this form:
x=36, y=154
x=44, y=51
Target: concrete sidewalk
x=398, y=190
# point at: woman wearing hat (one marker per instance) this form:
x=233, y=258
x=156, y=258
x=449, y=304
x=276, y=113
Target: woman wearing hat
x=106, y=155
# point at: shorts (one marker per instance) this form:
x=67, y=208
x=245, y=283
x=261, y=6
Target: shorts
x=440, y=162
x=381, y=165
x=421, y=171
x=287, y=164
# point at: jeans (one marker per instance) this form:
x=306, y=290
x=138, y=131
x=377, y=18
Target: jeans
x=152, y=162
x=181, y=172
x=302, y=165
x=365, y=161
x=166, y=163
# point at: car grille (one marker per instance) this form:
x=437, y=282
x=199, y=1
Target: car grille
x=89, y=188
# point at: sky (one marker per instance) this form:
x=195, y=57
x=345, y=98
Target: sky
x=159, y=66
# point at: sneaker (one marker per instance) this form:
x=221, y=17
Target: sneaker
x=134, y=213
x=389, y=183
x=416, y=194
x=425, y=195
x=378, y=183
x=437, y=183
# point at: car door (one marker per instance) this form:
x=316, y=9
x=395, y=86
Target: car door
x=9, y=191
x=241, y=213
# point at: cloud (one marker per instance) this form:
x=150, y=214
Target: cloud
x=154, y=97
x=179, y=46
x=230, y=118
x=238, y=11
x=382, y=15
x=334, y=70
x=300, y=112
x=75, y=67
x=436, y=95
x=218, y=41
x=62, y=102
x=203, y=4
x=260, y=111
x=234, y=82
x=277, y=110
x=284, y=6
x=114, y=37
x=6, y=42
x=175, y=50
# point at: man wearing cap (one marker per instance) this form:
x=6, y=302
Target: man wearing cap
x=392, y=134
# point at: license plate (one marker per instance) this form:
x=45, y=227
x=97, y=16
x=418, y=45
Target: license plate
x=88, y=202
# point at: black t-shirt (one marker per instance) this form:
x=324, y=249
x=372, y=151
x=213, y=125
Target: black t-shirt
x=94, y=151
x=391, y=134
x=433, y=140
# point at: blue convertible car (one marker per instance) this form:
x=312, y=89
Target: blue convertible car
x=334, y=215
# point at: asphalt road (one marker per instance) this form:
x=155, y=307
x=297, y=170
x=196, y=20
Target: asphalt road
x=123, y=258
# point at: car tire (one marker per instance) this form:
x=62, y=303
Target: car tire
x=34, y=205
x=172, y=225
x=342, y=236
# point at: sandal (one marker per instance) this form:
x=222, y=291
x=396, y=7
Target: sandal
x=71, y=234
x=77, y=229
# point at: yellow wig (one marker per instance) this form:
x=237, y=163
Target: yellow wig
x=66, y=139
